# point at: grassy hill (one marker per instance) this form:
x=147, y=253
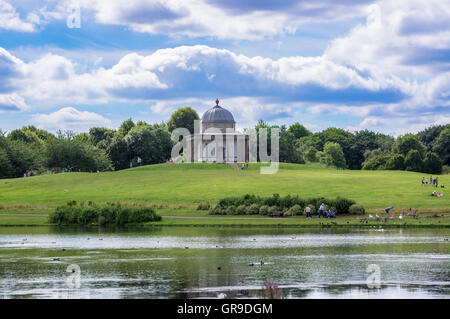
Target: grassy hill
x=187, y=185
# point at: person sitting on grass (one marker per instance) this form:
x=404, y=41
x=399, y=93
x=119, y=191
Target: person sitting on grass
x=433, y=194
x=410, y=212
x=387, y=209
x=440, y=194
x=330, y=213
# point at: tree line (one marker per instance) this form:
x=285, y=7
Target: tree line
x=30, y=150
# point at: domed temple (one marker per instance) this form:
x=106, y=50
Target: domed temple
x=218, y=140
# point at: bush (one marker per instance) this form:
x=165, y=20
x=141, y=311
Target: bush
x=240, y=210
x=341, y=205
x=102, y=214
x=252, y=209
x=264, y=210
x=357, y=209
x=273, y=209
x=250, y=204
x=203, y=206
x=432, y=164
x=294, y=210
x=396, y=162
x=413, y=161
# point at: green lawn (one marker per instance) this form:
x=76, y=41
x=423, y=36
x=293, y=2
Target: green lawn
x=184, y=186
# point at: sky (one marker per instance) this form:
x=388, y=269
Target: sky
x=352, y=64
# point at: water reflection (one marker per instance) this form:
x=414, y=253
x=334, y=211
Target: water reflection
x=202, y=262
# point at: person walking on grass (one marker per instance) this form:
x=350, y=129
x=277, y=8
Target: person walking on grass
x=308, y=212
x=388, y=209
x=321, y=209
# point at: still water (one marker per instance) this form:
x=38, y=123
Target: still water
x=204, y=262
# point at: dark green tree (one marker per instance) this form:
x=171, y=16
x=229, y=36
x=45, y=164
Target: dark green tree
x=118, y=152
x=429, y=135
x=298, y=130
x=98, y=134
x=377, y=162
x=432, y=163
x=126, y=127
x=413, y=161
x=409, y=142
x=396, y=162
x=333, y=155
x=442, y=145
x=183, y=118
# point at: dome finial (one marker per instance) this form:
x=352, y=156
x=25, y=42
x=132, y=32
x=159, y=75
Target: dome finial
x=217, y=102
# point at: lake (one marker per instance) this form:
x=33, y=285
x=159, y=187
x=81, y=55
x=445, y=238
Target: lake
x=196, y=262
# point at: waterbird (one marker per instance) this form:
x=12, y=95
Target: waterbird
x=262, y=262
x=251, y=265
x=186, y=247
x=219, y=268
x=56, y=259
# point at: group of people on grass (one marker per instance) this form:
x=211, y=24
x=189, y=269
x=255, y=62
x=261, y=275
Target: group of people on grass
x=433, y=181
x=325, y=213
x=390, y=208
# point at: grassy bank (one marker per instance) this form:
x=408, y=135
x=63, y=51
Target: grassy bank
x=184, y=186
x=201, y=219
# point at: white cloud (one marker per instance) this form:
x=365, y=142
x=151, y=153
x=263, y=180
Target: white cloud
x=12, y=102
x=10, y=19
x=401, y=38
x=183, y=72
x=222, y=19
x=70, y=118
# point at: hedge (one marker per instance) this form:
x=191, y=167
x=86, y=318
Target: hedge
x=292, y=205
x=91, y=213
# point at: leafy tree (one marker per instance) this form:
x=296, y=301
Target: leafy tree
x=333, y=155
x=432, y=163
x=126, y=127
x=118, y=152
x=396, y=162
x=183, y=117
x=376, y=162
x=151, y=145
x=442, y=145
x=67, y=150
x=6, y=168
x=363, y=141
x=409, y=142
x=384, y=142
x=344, y=138
x=98, y=134
x=430, y=134
x=24, y=157
x=298, y=130
x=25, y=135
x=310, y=154
x=289, y=151
x=413, y=161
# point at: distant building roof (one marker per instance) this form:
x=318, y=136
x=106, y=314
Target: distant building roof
x=217, y=114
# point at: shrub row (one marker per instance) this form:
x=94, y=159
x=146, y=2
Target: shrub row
x=290, y=205
x=91, y=213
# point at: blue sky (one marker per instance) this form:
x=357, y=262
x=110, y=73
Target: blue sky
x=354, y=64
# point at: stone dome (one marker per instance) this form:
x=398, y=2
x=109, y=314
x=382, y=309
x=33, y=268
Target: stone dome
x=217, y=114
